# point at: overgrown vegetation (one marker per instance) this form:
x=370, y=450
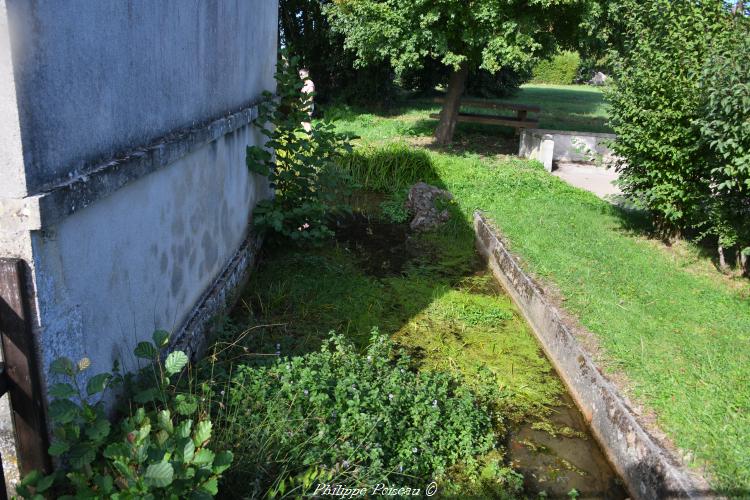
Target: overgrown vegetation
x=560, y=69
x=393, y=167
x=724, y=123
x=426, y=292
x=662, y=315
x=153, y=452
x=300, y=165
x=341, y=416
x=683, y=136
x=305, y=32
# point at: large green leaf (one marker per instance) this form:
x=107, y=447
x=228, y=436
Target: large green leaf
x=98, y=430
x=97, y=383
x=159, y=475
x=204, y=457
x=62, y=366
x=161, y=338
x=175, y=362
x=202, y=432
x=63, y=411
x=222, y=461
x=186, y=404
x=62, y=391
x=188, y=450
x=145, y=350
x=81, y=455
x=58, y=448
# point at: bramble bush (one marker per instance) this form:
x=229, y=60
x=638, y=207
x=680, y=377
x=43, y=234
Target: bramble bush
x=561, y=69
x=342, y=417
x=155, y=452
x=300, y=165
x=680, y=109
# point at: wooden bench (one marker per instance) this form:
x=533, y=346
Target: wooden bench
x=519, y=121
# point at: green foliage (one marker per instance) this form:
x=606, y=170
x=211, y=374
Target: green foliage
x=504, y=83
x=561, y=69
x=724, y=123
x=355, y=419
x=480, y=82
x=393, y=207
x=671, y=154
x=302, y=167
x=306, y=33
x=392, y=167
x=491, y=34
x=153, y=453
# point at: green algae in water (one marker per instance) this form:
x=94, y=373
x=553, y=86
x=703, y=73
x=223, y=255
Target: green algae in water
x=429, y=291
x=433, y=295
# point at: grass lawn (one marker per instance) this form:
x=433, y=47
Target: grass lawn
x=677, y=330
x=566, y=107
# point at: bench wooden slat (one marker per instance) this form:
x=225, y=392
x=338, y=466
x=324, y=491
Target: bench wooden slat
x=493, y=120
x=477, y=103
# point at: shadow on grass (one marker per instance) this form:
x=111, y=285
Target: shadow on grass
x=431, y=293
x=375, y=273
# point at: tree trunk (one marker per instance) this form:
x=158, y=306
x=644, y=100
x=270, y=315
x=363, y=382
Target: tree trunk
x=745, y=265
x=449, y=113
x=723, y=266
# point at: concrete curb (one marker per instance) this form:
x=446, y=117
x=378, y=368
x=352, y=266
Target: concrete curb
x=648, y=470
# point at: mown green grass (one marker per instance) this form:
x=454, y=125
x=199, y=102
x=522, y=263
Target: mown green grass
x=678, y=331
x=564, y=107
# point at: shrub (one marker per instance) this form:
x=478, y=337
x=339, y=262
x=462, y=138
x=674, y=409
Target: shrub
x=480, y=82
x=680, y=109
x=301, y=169
x=392, y=167
x=724, y=121
x=155, y=452
x=354, y=419
x=561, y=69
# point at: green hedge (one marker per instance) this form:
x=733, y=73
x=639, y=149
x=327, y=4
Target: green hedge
x=560, y=70
x=680, y=108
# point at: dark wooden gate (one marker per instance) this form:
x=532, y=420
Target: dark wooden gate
x=20, y=371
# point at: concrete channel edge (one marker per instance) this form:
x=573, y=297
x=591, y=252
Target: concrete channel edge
x=647, y=468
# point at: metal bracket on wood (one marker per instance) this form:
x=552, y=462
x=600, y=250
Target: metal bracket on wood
x=22, y=369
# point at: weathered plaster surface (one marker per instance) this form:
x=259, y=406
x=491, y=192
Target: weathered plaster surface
x=12, y=180
x=95, y=78
x=131, y=123
x=141, y=258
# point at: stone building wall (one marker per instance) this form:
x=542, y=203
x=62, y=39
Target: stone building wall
x=122, y=163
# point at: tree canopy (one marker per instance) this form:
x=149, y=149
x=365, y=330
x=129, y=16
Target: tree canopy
x=461, y=34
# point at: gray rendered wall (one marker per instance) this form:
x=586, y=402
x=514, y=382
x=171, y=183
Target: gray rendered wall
x=127, y=193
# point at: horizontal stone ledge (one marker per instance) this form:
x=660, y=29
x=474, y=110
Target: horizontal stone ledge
x=49, y=207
